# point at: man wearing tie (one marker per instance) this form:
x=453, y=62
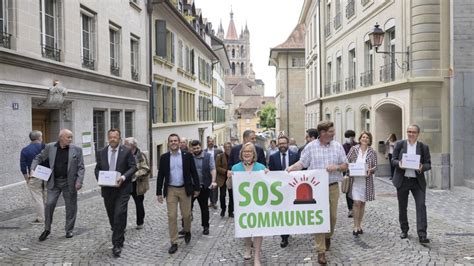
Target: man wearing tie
x=248, y=136
x=116, y=157
x=279, y=161
x=67, y=165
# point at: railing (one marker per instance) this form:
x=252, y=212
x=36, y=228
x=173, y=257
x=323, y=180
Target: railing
x=135, y=74
x=327, y=89
x=114, y=69
x=387, y=72
x=350, y=8
x=350, y=83
x=51, y=52
x=327, y=29
x=364, y=2
x=337, y=20
x=337, y=86
x=88, y=63
x=5, y=40
x=366, y=78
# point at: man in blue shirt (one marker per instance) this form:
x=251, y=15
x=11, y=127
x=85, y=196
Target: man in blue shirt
x=36, y=186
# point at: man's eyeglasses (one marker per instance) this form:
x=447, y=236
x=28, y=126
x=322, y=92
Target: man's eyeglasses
x=412, y=132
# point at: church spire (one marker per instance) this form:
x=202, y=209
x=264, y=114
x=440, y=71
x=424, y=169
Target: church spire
x=231, y=31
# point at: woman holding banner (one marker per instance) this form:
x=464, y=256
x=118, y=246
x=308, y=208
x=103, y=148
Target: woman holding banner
x=362, y=187
x=248, y=158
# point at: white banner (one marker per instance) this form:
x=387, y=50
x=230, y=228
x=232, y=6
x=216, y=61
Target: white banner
x=280, y=203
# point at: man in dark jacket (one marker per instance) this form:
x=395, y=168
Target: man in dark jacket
x=177, y=181
x=248, y=136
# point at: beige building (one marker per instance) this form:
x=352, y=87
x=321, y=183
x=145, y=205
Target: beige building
x=384, y=92
x=289, y=61
x=248, y=114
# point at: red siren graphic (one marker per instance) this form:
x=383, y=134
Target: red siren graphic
x=304, y=191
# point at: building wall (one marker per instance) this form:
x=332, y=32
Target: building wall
x=248, y=124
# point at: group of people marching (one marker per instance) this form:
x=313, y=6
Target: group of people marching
x=187, y=173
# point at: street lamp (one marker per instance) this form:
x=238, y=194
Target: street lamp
x=376, y=39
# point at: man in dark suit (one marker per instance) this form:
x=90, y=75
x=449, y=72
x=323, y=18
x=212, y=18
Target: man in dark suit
x=213, y=151
x=248, y=136
x=67, y=165
x=116, y=157
x=406, y=180
x=279, y=161
x=177, y=181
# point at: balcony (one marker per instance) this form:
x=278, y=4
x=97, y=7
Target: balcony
x=88, y=63
x=337, y=86
x=350, y=83
x=135, y=74
x=366, y=78
x=51, y=52
x=327, y=90
x=5, y=40
x=327, y=29
x=350, y=8
x=114, y=69
x=337, y=20
x=387, y=72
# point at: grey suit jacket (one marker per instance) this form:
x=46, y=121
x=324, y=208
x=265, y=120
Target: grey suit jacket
x=425, y=159
x=75, y=164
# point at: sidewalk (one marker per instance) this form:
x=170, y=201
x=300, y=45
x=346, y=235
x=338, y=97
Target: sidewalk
x=450, y=228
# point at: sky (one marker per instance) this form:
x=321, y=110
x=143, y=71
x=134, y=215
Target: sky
x=270, y=23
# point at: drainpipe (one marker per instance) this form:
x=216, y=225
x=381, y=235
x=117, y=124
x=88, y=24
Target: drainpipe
x=320, y=67
x=150, y=92
x=287, y=97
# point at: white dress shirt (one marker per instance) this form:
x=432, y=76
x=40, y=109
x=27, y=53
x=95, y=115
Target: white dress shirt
x=109, y=156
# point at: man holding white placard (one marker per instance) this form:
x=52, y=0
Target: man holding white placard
x=67, y=174
x=118, y=163
x=406, y=178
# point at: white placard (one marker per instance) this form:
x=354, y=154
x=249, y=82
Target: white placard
x=411, y=161
x=108, y=178
x=280, y=203
x=86, y=137
x=358, y=169
x=42, y=172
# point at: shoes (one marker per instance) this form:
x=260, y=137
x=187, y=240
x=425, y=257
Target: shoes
x=247, y=253
x=44, y=235
x=139, y=227
x=284, y=243
x=214, y=206
x=423, y=240
x=360, y=232
x=222, y=213
x=211, y=205
x=355, y=233
x=403, y=235
x=205, y=231
x=187, y=237
x=173, y=249
x=116, y=251
x=349, y=214
x=181, y=232
x=322, y=258
x=36, y=221
x=69, y=235
x=328, y=243
x=231, y=215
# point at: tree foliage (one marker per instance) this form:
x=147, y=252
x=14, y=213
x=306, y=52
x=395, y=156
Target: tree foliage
x=267, y=116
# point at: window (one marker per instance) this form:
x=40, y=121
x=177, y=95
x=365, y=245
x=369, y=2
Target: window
x=204, y=108
x=391, y=49
x=350, y=8
x=114, y=36
x=242, y=69
x=188, y=63
x=316, y=85
x=338, y=17
x=233, y=53
x=99, y=129
x=87, y=39
x=328, y=20
x=233, y=69
x=242, y=54
x=327, y=87
x=4, y=36
x=368, y=75
x=365, y=120
x=186, y=106
x=180, y=54
x=49, y=29
x=205, y=72
x=128, y=124
x=134, y=58
x=350, y=80
x=170, y=46
x=337, y=86
x=115, y=119
x=297, y=62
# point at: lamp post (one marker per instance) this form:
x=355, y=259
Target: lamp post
x=376, y=39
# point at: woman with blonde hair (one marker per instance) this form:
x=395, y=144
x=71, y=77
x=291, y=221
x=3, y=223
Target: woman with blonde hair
x=362, y=187
x=248, y=163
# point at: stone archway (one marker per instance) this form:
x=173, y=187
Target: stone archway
x=388, y=119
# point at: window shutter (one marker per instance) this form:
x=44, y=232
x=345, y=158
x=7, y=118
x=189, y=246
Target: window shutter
x=173, y=103
x=172, y=47
x=160, y=35
x=165, y=104
x=192, y=61
x=153, y=101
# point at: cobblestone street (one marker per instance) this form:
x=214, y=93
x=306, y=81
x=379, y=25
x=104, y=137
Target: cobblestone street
x=450, y=228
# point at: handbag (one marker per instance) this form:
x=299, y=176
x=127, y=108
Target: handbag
x=346, y=182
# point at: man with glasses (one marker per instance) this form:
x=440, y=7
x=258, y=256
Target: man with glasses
x=406, y=180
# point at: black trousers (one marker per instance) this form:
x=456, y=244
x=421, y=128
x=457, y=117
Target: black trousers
x=349, y=201
x=202, y=200
x=116, y=204
x=138, y=199
x=223, y=191
x=411, y=184
x=392, y=169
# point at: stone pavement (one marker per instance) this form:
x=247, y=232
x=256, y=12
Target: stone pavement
x=450, y=228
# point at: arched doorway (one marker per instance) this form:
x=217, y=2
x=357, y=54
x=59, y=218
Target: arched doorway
x=388, y=119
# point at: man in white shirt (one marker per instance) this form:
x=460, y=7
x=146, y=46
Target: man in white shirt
x=406, y=180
